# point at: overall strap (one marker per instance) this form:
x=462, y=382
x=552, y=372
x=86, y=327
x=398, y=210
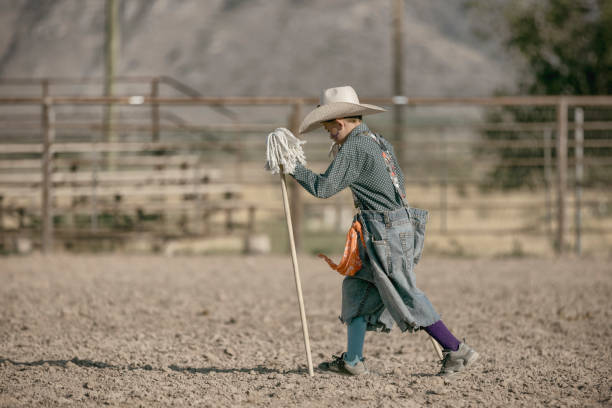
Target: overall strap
x=391, y=169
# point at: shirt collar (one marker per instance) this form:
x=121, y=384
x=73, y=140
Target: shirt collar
x=361, y=128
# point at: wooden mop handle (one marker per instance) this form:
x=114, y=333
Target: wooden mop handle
x=296, y=271
x=436, y=346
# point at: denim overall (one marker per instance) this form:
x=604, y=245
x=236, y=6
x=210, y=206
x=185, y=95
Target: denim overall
x=384, y=291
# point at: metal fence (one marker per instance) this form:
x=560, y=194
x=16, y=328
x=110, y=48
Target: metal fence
x=196, y=155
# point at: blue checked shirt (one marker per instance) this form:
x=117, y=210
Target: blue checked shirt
x=360, y=166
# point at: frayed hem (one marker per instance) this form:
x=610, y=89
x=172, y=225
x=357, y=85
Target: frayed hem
x=373, y=324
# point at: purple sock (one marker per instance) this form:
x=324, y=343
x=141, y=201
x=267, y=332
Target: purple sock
x=443, y=336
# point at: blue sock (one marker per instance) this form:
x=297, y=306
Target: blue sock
x=355, y=337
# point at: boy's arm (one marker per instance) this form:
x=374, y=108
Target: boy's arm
x=342, y=171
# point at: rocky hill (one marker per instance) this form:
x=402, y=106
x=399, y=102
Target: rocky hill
x=257, y=47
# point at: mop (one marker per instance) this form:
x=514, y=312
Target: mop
x=283, y=152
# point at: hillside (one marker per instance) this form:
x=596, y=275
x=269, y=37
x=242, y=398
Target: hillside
x=257, y=47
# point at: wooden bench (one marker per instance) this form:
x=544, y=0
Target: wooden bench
x=177, y=182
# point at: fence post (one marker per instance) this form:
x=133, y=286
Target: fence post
x=548, y=180
x=297, y=206
x=94, y=182
x=155, y=110
x=579, y=153
x=240, y=159
x=48, y=118
x=197, y=194
x=251, y=220
x=111, y=48
x=2, y=239
x=70, y=216
x=399, y=100
x=561, y=174
x=444, y=186
x=229, y=219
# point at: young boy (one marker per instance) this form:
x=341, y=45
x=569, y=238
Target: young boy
x=384, y=290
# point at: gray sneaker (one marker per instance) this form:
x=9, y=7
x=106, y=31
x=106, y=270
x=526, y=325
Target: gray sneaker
x=456, y=361
x=338, y=365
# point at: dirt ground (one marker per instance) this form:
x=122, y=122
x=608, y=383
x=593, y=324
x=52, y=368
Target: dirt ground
x=212, y=331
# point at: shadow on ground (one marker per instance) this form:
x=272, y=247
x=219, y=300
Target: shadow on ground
x=259, y=369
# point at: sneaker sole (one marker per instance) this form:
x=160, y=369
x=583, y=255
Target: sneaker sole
x=326, y=369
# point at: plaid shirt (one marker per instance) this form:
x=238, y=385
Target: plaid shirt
x=360, y=166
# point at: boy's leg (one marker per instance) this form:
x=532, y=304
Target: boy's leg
x=355, y=331
x=457, y=355
x=443, y=336
x=351, y=361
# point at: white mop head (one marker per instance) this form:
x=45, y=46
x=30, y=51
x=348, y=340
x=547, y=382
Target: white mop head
x=283, y=149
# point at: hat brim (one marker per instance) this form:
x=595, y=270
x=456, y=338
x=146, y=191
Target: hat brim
x=336, y=110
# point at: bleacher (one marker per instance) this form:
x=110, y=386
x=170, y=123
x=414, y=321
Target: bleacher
x=156, y=176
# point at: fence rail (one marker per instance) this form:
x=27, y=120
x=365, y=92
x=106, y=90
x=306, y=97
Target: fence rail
x=54, y=153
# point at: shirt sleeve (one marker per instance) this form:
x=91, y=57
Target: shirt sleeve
x=342, y=172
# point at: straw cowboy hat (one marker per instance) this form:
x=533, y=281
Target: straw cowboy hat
x=340, y=102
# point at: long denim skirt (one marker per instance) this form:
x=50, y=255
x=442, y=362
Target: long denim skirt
x=384, y=291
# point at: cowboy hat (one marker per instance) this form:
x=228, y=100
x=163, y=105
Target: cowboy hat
x=340, y=102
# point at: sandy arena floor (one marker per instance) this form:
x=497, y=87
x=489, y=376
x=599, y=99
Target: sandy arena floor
x=207, y=331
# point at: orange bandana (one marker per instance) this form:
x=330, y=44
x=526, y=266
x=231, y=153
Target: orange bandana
x=350, y=263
